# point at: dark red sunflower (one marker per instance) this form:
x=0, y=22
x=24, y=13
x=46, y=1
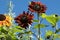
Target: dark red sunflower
x=37, y=7
x=24, y=19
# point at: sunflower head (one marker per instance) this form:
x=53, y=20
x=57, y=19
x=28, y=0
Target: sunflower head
x=37, y=7
x=24, y=19
x=5, y=20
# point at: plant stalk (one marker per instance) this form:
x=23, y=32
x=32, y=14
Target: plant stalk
x=38, y=27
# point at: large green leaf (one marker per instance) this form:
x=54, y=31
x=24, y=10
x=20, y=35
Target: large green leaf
x=52, y=20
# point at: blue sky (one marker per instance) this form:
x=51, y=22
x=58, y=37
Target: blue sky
x=53, y=7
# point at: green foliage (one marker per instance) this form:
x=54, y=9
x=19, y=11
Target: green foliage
x=29, y=32
x=49, y=33
x=41, y=39
x=15, y=32
x=52, y=19
x=10, y=33
x=40, y=26
x=35, y=21
x=43, y=15
x=8, y=37
x=57, y=30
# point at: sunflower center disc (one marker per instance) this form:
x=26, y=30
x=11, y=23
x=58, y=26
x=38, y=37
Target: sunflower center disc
x=2, y=17
x=24, y=19
x=37, y=7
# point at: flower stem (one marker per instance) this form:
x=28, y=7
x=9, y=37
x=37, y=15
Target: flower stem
x=29, y=34
x=30, y=38
x=38, y=27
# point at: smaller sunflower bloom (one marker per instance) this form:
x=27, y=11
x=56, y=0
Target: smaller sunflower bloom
x=24, y=19
x=5, y=20
x=37, y=7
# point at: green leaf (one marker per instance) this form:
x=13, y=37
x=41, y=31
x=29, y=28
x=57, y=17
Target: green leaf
x=43, y=15
x=56, y=36
x=2, y=35
x=14, y=37
x=4, y=31
x=35, y=21
x=8, y=37
x=41, y=26
x=19, y=27
x=11, y=37
x=49, y=33
x=29, y=32
x=41, y=38
x=52, y=20
x=25, y=37
x=17, y=30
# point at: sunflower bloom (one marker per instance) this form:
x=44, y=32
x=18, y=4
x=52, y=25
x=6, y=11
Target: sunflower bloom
x=24, y=19
x=5, y=20
x=37, y=7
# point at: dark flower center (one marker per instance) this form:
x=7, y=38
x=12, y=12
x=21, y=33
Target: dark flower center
x=36, y=7
x=2, y=17
x=24, y=19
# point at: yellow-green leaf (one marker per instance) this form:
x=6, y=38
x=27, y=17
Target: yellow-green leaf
x=41, y=39
x=49, y=33
x=41, y=26
x=52, y=20
x=43, y=15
